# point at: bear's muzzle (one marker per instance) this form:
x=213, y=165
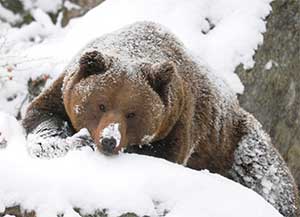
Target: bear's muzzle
x=108, y=145
x=110, y=138
x=110, y=134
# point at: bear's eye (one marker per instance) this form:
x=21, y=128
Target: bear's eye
x=102, y=108
x=130, y=115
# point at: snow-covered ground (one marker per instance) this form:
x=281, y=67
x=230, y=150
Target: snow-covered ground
x=126, y=183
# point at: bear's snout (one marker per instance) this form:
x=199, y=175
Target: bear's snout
x=108, y=145
x=110, y=138
x=110, y=135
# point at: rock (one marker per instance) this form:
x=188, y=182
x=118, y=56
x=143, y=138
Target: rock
x=69, y=8
x=17, y=212
x=272, y=87
x=15, y=6
x=22, y=16
x=77, y=8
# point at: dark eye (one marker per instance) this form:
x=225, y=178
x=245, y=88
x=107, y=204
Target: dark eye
x=130, y=115
x=102, y=108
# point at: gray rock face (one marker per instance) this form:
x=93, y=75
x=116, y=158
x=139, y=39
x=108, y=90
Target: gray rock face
x=69, y=8
x=17, y=212
x=17, y=8
x=79, y=8
x=272, y=87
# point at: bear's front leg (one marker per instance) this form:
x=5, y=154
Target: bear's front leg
x=259, y=166
x=178, y=143
x=51, y=140
x=48, y=128
x=48, y=139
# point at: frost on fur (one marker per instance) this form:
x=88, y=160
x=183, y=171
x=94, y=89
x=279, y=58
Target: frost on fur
x=258, y=166
x=112, y=131
x=47, y=142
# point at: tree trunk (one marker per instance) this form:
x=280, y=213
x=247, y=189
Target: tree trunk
x=272, y=87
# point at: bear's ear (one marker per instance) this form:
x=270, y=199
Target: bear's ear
x=159, y=77
x=93, y=62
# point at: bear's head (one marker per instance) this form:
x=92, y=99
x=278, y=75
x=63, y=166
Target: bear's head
x=123, y=104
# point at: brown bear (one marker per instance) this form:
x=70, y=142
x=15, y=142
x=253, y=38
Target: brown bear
x=139, y=90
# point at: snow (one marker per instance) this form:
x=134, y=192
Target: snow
x=47, y=6
x=8, y=15
x=3, y=142
x=17, y=64
x=148, y=138
x=270, y=64
x=69, y=5
x=112, y=131
x=119, y=184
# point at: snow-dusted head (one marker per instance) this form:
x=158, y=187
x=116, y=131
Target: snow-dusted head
x=122, y=103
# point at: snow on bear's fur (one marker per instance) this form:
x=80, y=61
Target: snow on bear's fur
x=160, y=101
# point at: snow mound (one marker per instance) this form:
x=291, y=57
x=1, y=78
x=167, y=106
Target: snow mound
x=121, y=184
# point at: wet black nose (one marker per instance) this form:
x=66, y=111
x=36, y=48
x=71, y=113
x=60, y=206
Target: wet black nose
x=108, y=144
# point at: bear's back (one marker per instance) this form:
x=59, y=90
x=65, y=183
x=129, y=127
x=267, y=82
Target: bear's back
x=149, y=42
x=142, y=41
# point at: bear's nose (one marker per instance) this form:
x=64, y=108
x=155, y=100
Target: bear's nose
x=108, y=144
